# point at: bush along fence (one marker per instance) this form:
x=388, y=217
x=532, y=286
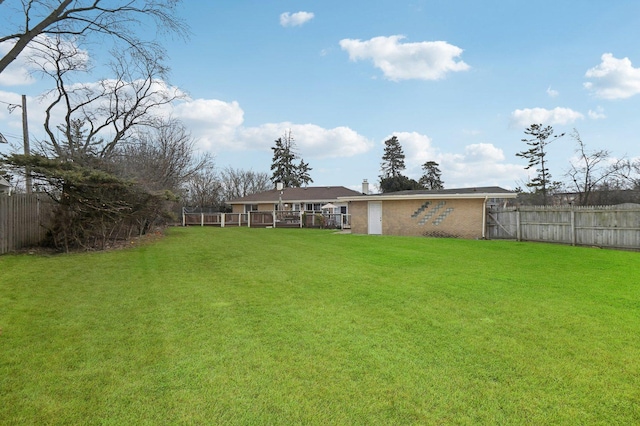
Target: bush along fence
x=602, y=226
x=262, y=219
x=22, y=217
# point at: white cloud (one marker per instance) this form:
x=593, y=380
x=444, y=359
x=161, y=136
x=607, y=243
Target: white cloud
x=598, y=114
x=211, y=121
x=35, y=57
x=528, y=116
x=483, y=152
x=417, y=148
x=312, y=141
x=427, y=60
x=11, y=116
x=295, y=19
x=210, y=110
x=479, y=165
x=552, y=93
x=218, y=126
x=614, y=78
x=18, y=73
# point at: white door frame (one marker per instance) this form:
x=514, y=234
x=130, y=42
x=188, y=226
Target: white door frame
x=374, y=214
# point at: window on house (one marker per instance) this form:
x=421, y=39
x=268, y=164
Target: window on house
x=286, y=207
x=250, y=208
x=316, y=207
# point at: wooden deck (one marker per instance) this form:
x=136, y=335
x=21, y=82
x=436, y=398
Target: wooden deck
x=260, y=219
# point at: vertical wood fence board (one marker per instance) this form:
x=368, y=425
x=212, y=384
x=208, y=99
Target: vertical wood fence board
x=603, y=226
x=22, y=220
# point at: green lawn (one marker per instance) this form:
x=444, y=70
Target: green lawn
x=271, y=326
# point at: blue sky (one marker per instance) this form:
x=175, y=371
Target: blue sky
x=457, y=81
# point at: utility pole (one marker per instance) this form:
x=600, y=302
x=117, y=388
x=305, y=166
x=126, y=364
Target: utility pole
x=25, y=138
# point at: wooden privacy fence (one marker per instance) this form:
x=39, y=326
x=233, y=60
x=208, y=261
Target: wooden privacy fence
x=21, y=220
x=602, y=226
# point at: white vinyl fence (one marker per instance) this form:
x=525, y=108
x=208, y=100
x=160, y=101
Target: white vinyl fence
x=602, y=226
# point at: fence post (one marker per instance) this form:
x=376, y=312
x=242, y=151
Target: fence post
x=518, y=230
x=201, y=219
x=221, y=220
x=573, y=226
x=4, y=212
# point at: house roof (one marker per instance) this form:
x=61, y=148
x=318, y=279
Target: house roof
x=4, y=184
x=297, y=195
x=423, y=194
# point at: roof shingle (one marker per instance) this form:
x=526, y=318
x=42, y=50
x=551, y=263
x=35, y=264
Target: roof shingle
x=311, y=193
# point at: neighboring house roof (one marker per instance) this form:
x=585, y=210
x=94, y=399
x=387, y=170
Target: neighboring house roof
x=297, y=195
x=4, y=185
x=423, y=194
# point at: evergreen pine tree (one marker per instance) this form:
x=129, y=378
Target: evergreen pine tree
x=540, y=138
x=284, y=169
x=432, y=176
x=392, y=159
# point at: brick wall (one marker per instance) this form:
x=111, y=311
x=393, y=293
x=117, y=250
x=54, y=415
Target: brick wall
x=359, y=217
x=433, y=218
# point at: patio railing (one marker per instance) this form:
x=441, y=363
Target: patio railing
x=275, y=219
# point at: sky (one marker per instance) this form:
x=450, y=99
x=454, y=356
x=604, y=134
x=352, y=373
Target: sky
x=457, y=81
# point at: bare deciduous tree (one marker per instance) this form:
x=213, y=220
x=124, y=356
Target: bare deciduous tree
x=238, y=183
x=109, y=110
x=86, y=20
x=590, y=171
x=89, y=125
x=204, y=189
x=210, y=189
x=161, y=158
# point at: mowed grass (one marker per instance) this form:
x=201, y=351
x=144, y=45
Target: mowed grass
x=270, y=326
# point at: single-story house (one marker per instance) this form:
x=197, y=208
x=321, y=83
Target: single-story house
x=459, y=213
x=314, y=206
x=310, y=199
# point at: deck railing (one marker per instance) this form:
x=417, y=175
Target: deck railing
x=275, y=219
x=215, y=219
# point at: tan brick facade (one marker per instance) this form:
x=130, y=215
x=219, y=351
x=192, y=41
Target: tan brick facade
x=239, y=208
x=459, y=218
x=359, y=217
